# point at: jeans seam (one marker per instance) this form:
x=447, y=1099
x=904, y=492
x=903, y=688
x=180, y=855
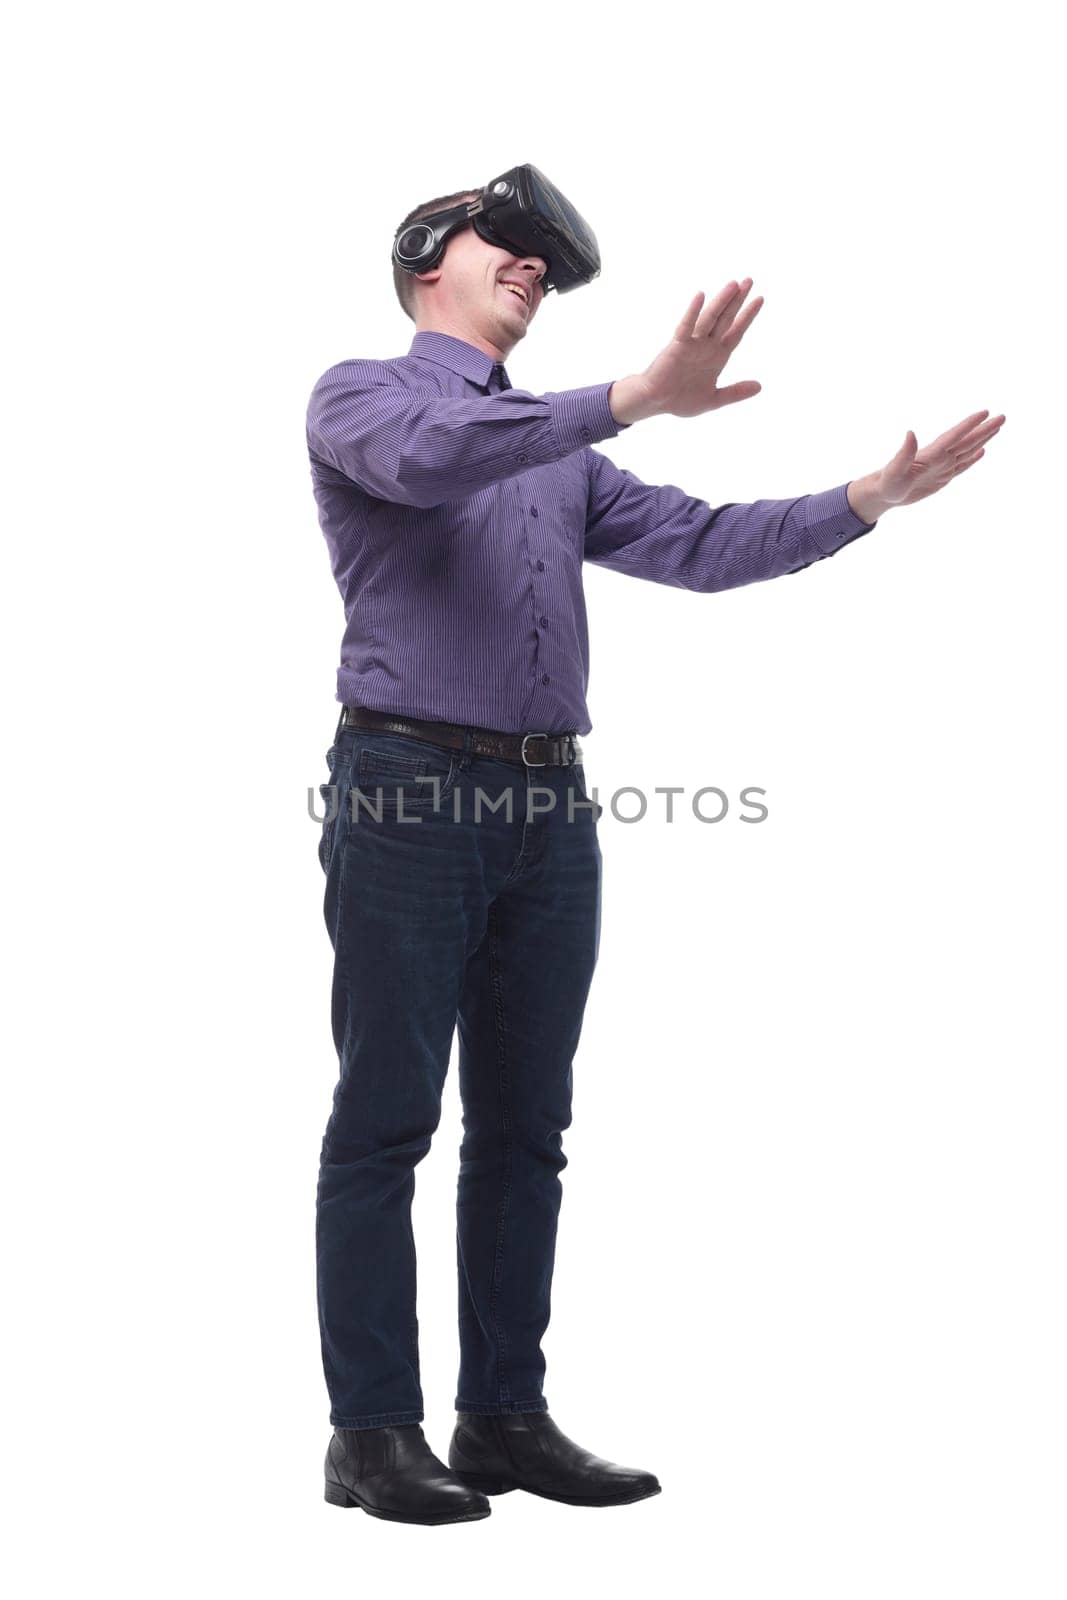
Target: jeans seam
x=505, y=1119
x=520, y=859
x=512, y=1408
x=383, y=1419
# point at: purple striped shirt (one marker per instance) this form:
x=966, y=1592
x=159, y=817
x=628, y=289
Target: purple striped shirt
x=458, y=511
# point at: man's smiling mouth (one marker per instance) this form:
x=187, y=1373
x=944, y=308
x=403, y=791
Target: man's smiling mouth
x=517, y=291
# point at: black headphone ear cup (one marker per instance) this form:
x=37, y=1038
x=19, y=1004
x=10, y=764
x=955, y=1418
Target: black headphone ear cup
x=424, y=242
x=416, y=248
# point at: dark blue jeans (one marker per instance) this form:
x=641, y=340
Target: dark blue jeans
x=441, y=917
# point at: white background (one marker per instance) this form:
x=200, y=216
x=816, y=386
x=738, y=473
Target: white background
x=810, y=1266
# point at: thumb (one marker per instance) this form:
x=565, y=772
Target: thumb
x=897, y=468
x=745, y=390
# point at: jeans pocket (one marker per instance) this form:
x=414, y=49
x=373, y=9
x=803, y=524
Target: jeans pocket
x=331, y=801
x=331, y=807
x=391, y=770
x=335, y=792
x=580, y=781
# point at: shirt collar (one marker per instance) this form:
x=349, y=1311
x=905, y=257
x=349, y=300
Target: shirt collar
x=455, y=354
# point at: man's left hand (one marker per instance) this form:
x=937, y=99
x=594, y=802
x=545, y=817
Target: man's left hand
x=913, y=473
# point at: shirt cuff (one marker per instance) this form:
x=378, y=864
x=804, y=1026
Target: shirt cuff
x=830, y=522
x=583, y=416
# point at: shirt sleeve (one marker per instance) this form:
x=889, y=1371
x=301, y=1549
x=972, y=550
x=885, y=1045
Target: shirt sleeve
x=408, y=444
x=661, y=533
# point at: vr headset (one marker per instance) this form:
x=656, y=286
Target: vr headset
x=520, y=211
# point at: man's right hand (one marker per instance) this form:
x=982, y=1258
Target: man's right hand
x=683, y=379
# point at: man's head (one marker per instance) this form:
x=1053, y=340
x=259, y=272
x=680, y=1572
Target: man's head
x=465, y=294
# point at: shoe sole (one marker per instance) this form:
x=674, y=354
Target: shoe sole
x=475, y=1480
x=336, y=1495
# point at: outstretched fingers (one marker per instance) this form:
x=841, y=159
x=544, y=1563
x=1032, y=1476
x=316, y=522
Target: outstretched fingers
x=960, y=435
x=733, y=337
x=963, y=440
x=684, y=330
x=967, y=461
x=981, y=435
x=720, y=310
x=718, y=318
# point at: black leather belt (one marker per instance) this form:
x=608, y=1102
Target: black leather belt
x=531, y=749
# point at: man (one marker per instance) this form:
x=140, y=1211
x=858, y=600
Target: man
x=457, y=512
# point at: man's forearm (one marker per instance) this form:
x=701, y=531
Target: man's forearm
x=628, y=402
x=864, y=500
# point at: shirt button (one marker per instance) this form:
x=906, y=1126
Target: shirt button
x=522, y=458
x=545, y=678
x=533, y=511
x=586, y=434
x=544, y=622
x=540, y=566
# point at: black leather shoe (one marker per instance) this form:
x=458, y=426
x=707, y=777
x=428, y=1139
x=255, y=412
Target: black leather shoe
x=529, y=1452
x=393, y=1473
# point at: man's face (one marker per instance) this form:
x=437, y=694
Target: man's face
x=471, y=293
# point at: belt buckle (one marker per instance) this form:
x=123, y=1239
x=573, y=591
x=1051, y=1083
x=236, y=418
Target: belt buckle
x=522, y=752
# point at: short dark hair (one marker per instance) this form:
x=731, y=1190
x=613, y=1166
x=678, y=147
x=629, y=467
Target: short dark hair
x=404, y=282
